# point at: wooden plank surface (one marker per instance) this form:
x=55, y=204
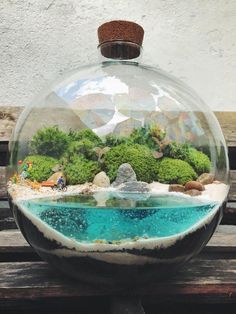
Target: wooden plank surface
x=35, y=280
x=232, y=192
x=227, y=122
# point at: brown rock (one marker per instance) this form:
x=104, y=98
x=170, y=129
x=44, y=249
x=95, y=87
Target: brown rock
x=101, y=179
x=194, y=185
x=176, y=188
x=206, y=178
x=193, y=192
x=56, y=176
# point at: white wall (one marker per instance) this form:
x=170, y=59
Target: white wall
x=192, y=39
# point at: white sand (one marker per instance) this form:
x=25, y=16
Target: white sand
x=214, y=192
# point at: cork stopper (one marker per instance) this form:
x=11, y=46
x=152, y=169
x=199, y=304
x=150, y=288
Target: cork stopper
x=120, y=30
x=120, y=39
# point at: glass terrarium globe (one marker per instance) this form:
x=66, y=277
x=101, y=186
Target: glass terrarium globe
x=119, y=172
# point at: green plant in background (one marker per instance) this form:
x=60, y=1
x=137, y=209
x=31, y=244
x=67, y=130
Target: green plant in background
x=80, y=170
x=41, y=168
x=112, y=140
x=157, y=133
x=175, y=171
x=177, y=151
x=85, y=134
x=198, y=160
x=49, y=141
x=142, y=136
x=83, y=147
x=152, y=136
x=79, y=151
x=138, y=156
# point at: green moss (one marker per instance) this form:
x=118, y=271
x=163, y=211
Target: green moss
x=138, y=156
x=177, y=151
x=80, y=170
x=83, y=147
x=198, y=160
x=175, y=171
x=112, y=140
x=41, y=167
x=49, y=142
x=142, y=136
x=85, y=134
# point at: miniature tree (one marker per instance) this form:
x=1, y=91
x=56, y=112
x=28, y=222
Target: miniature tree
x=49, y=141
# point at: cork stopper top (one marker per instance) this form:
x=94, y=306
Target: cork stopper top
x=120, y=30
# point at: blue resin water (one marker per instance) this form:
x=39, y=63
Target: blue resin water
x=114, y=216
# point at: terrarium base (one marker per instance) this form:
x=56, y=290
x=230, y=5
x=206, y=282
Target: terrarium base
x=88, y=268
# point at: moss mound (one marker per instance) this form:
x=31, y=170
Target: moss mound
x=138, y=156
x=49, y=142
x=112, y=140
x=83, y=147
x=80, y=170
x=175, y=171
x=198, y=160
x=85, y=134
x=41, y=168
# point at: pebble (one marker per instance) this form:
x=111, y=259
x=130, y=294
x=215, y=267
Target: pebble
x=194, y=185
x=193, y=192
x=206, y=178
x=176, y=188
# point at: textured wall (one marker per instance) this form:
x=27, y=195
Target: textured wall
x=194, y=40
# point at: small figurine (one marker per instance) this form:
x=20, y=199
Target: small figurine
x=25, y=167
x=60, y=183
x=23, y=175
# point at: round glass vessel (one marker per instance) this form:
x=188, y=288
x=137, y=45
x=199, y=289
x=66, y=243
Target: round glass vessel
x=118, y=172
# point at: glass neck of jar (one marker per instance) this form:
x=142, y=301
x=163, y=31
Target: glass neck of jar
x=120, y=50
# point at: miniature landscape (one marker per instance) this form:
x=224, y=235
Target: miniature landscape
x=82, y=162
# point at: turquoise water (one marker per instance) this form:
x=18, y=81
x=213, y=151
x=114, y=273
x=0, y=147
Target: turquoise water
x=114, y=216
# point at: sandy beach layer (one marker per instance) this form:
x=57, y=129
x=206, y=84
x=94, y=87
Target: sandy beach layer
x=214, y=192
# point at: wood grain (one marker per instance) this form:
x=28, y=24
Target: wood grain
x=232, y=192
x=227, y=122
x=35, y=280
